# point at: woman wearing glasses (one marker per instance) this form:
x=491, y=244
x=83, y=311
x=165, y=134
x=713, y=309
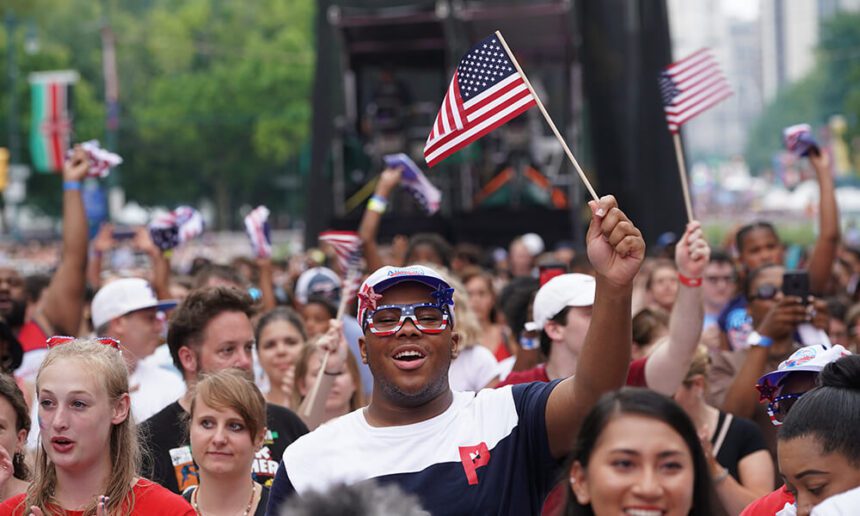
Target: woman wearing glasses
x=776, y=318
x=781, y=390
x=819, y=449
x=88, y=458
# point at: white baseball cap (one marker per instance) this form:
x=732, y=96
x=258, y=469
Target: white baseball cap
x=123, y=296
x=558, y=293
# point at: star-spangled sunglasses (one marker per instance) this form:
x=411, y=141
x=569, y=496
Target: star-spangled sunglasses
x=779, y=407
x=429, y=318
x=58, y=340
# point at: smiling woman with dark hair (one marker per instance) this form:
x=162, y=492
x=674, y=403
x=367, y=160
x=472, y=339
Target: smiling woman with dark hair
x=819, y=445
x=637, y=452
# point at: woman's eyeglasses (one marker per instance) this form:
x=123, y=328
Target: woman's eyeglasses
x=58, y=340
x=779, y=407
x=766, y=292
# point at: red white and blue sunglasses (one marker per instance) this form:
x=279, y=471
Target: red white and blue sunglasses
x=778, y=408
x=429, y=318
x=58, y=340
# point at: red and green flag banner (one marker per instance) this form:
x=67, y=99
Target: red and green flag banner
x=51, y=121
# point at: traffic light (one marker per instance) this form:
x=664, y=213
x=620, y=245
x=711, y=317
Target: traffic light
x=4, y=168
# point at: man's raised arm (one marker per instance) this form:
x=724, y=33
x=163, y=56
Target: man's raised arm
x=64, y=297
x=616, y=250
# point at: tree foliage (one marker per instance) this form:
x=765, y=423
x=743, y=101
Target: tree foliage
x=831, y=88
x=214, y=94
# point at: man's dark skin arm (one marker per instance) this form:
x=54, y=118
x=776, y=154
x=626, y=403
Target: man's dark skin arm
x=63, y=303
x=616, y=250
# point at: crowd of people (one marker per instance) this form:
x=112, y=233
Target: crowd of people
x=609, y=380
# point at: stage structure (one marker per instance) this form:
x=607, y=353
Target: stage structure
x=382, y=70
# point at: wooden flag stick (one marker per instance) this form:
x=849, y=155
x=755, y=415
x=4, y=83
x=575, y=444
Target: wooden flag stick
x=310, y=400
x=548, y=119
x=682, y=169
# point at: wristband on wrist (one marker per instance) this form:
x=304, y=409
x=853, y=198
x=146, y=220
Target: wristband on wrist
x=378, y=204
x=71, y=185
x=757, y=339
x=722, y=475
x=529, y=343
x=689, y=282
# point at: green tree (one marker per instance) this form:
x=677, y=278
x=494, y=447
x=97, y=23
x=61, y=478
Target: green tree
x=214, y=94
x=831, y=88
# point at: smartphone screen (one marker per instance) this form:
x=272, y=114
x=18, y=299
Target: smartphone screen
x=549, y=271
x=796, y=283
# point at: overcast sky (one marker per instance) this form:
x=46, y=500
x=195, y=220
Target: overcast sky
x=743, y=9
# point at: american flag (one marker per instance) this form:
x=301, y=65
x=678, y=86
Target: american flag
x=347, y=248
x=486, y=92
x=257, y=227
x=691, y=86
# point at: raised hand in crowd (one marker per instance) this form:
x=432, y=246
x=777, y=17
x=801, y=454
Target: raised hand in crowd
x=669, y=361
x=63, y=300
x=335, y=348
x=615, y=249
x=368, y=230
x=827, y=243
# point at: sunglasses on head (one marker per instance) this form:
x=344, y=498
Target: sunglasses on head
x=58, y=340
x=778, y=408
x=766, y=292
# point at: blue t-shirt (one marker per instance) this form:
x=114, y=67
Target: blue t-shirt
x=488, y=453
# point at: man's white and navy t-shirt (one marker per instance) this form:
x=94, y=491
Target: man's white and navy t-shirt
x=488, y=453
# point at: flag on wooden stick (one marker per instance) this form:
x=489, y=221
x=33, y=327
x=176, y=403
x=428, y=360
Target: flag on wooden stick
x=487, y=91
x=691, y=86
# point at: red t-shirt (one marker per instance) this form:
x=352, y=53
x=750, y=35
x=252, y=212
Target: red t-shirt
x=149, y=498
x=32, y=336
x=635, y=375
x=769, y=504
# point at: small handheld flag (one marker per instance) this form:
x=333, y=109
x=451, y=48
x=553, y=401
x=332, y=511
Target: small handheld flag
x=101, y=160
x=799, y=141
x=169, y=230
x=415, y=182
x=347, y=248
x=691, y=86
x=487, y=91
x=257, y=226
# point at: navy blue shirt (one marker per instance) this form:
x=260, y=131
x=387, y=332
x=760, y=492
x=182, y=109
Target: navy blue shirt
x=488, y=453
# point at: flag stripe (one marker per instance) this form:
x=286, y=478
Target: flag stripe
x=478, y=130
x=485, y=100
x=55, y=115
x=717, y=90
x=690, y=58
x=486, y=91
x=692, y=113
x=691, y=86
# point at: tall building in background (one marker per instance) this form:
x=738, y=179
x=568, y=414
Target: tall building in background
x=790, y=30
x=722, y=131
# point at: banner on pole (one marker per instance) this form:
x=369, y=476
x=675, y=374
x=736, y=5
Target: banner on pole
x=51, y=120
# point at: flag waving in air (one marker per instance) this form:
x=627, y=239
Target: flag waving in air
x=486, y=92
x=691, y=86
